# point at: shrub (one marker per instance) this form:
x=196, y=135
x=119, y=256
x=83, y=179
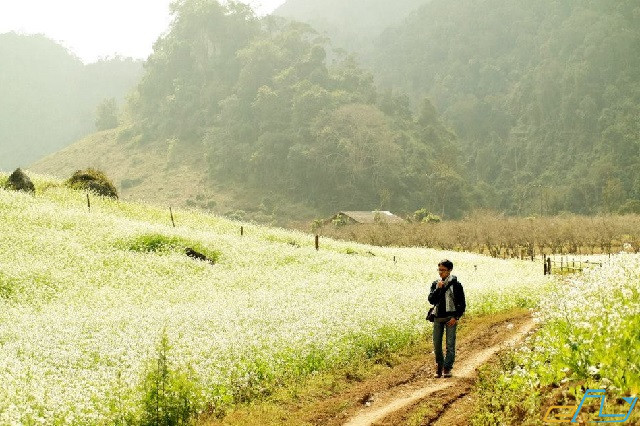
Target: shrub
x=19, y=181
x=93, y=180
x=431, y=218
x=424, y=216
x=418, y=215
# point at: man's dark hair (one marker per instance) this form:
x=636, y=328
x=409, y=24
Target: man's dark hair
x=446, y=263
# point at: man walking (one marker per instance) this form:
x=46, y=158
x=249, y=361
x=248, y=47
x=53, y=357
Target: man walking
x=447, y=295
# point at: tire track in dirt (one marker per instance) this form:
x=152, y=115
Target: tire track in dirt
x=397, y=400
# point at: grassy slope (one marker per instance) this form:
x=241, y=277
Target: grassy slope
x=168, y=174
x=81, y=316
x=156, y=172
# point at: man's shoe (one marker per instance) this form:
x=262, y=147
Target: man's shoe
x=447, y=372
x=438, y=371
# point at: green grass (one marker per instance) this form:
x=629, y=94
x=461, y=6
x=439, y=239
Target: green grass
x=158, y=243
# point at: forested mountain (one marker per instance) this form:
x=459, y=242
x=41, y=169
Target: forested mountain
x=543, y=95
x=48, y=97
x=542, y=99
x=351, y=25
x=273, y=116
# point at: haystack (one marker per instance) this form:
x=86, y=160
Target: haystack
x=19, y=181
x=93, y=180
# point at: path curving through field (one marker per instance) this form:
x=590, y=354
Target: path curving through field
x=465, y=370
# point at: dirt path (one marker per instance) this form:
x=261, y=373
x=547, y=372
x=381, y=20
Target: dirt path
x=400, y=392
x=392, y=405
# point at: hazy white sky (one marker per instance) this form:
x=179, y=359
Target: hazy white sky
x=92, y=29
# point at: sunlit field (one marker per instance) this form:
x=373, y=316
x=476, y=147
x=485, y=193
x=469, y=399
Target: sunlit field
x=83, y=309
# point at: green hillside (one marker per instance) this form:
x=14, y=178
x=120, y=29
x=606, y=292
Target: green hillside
x=544, y=96
x=48, y=98
x=259, y=100
x=87, y=296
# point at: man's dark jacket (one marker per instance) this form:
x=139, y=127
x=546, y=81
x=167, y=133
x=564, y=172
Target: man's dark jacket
x=436, y=297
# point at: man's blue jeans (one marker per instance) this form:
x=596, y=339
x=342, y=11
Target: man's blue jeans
x=438, y=331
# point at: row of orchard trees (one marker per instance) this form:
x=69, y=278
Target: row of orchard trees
x=279, y=111
x=500, y=236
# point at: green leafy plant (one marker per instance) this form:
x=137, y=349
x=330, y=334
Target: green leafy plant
x=170, y=395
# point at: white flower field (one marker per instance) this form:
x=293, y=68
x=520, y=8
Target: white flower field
x=82, y=315
x=589, y=338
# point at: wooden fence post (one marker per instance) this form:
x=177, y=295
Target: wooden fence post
x=88, y=202
x=317, y=242
x=241, y=231
x=172, y=221
x=544, y=263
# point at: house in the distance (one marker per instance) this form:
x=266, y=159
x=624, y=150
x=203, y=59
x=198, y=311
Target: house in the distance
x=366, y=217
